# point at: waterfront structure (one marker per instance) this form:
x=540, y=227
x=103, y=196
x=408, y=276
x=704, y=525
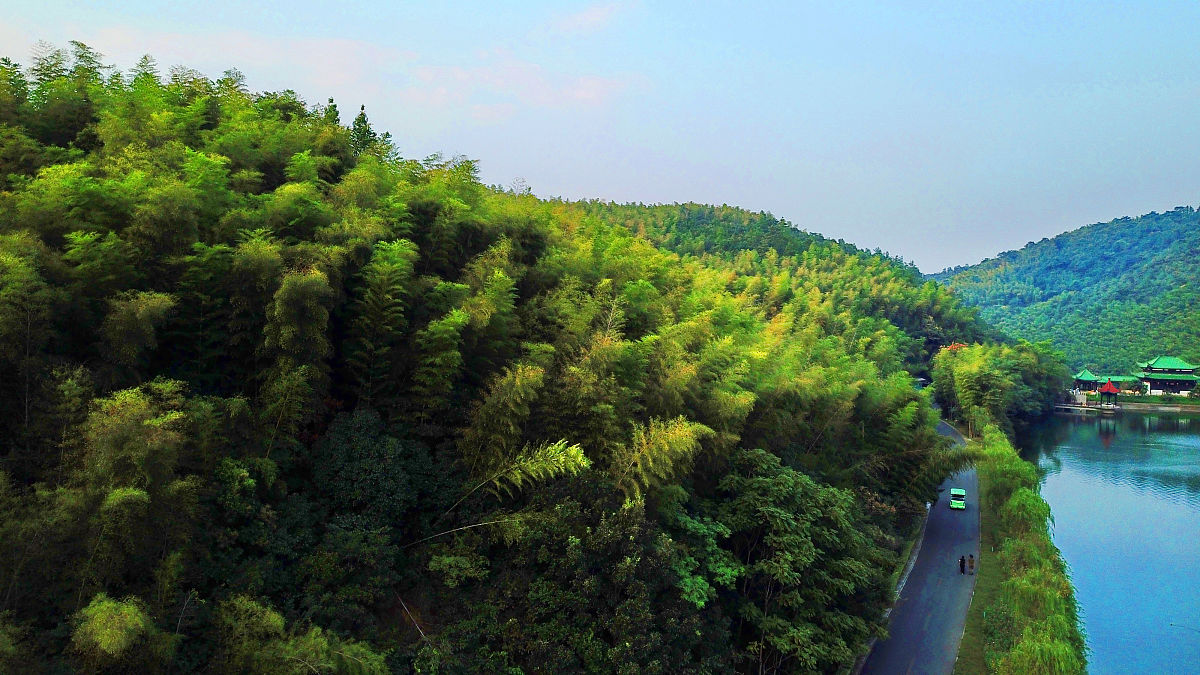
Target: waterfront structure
x=1085, y=380
x=1158, y=376
x=1168, y=375
x=1108, y=391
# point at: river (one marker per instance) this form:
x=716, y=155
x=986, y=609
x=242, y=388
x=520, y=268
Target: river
x=1125, y=494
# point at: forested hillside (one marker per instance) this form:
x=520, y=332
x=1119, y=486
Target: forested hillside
x=278, y=399
x=1108, y=295
x=857, y=283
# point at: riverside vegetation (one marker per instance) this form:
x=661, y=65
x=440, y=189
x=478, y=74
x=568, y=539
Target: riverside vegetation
x=1024, y=618
x=280, y=400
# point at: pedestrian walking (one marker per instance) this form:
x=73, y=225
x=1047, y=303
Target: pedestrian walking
x=962, y=565
x=971, y=563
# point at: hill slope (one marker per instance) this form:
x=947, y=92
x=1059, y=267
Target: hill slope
x=1108, y=294
x=847, y=279
x=280, y=400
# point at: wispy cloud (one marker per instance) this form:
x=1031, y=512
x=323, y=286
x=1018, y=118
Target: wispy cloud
x=17, y=41
x=399, y=86
x=340, y=64
x=588, y=20
x=492, y=112
x=500, y=77
x=322, y=62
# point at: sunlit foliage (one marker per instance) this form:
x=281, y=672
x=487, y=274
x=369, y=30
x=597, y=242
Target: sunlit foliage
x=278, y=399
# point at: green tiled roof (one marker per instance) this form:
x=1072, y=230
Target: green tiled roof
x=1168, y=363
x=1168, y=376
x=1086, y=375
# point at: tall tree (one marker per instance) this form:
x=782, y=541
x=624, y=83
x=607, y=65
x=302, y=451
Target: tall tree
x=362, y=136
x=379, y=322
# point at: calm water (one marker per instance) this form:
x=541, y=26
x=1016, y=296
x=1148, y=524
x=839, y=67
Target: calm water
x=1125, y=493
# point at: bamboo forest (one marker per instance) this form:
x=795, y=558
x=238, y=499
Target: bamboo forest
x=280, y=399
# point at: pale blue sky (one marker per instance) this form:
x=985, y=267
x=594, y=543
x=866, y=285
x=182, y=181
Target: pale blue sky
x=941, y=132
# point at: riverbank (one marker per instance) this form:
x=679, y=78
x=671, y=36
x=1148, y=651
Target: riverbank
x=1159, y=407
x=1125, y=493
x=1131, y=406
x=1152, y=401
x=1024, y=617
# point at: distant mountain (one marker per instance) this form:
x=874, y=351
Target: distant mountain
x=1108, y=294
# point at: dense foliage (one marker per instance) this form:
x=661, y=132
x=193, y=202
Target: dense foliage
x=850, y=282
x=999, y=384
x=1109, y=295
x=279, y=400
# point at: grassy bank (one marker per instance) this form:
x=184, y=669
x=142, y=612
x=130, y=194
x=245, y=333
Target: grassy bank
x=1023, y=618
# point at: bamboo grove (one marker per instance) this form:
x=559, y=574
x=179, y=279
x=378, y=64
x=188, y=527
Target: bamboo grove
x=278, y=399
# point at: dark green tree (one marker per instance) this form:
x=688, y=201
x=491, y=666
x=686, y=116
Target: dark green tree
x=362, y=136
x=814, y=585
x=379, y=319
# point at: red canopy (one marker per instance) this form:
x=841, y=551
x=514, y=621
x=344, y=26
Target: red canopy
x=1109, y=388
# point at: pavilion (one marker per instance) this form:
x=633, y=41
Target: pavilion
x=1108, y=391
x=1085, y=380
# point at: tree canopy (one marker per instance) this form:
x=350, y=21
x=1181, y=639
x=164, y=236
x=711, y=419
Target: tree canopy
x=280, y=399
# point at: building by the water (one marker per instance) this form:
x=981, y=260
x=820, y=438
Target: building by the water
x=1162, y=375
x=1168, y=375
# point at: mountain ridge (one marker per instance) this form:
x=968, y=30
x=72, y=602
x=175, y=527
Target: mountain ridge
x=1108, y=294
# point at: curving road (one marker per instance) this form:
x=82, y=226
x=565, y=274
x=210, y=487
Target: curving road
x=928, y=619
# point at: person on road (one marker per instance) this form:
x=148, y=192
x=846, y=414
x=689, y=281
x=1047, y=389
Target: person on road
x=962, y=565
x=971, y=563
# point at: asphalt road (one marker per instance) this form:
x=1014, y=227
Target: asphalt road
x=927, y=622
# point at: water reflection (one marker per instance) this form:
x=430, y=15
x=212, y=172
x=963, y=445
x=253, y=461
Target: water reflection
x=1151, y=452
x=1125, y=494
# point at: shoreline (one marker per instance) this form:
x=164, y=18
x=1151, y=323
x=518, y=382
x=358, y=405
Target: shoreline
x=1003, y=474
x=1131, y=407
